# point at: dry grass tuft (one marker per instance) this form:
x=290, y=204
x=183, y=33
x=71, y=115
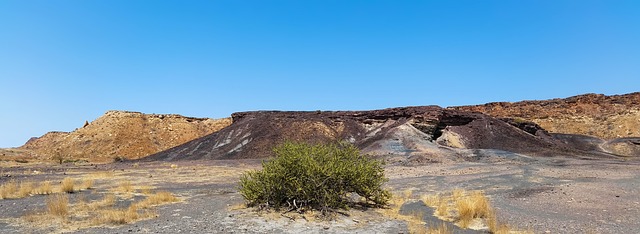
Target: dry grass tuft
x=83, y=213
x=107, y=200
x=25, y=190
x=465, y=208
x=45, y=188
x=146, y=190
x=117, y=216
x=417, y=228
x=125, y=187
x=67, y=185
x=8, y=189
x=157, y=199
x=431, y=200
x=440, y=229
x=407, y=193
x=457, y=193
x=469, y=207
x=442, y=209
x=415, y=223
x=87, y=184
x=238, y=206
x=395, y=203
x=58, y=205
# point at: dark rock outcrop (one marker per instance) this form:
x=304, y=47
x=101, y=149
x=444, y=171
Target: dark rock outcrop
x=430, y=132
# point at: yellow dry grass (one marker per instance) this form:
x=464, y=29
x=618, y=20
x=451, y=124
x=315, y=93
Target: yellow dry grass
x=238, y=206
x=44, y=188
x=116, y=216
x=442, y=208
x=106, y=201
x=414, y=221
x=86, y=184
x=58, y=205
x=125, y=187
x=439, y=229
x=431, y=200
x=465, y=208
x=146, y=190
x=67, y=185
x=83, y=214
x=471, y=206
x=8, y=189
x=102, y=175
x=158, y=198
x=25, y=189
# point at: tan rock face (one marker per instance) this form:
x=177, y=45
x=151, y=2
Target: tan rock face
x=124, y=134
x=596, y=115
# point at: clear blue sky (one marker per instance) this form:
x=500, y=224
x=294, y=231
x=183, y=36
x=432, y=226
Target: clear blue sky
x=64, y=62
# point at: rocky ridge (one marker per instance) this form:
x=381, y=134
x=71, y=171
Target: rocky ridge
x=123, y=134
x=597, y=115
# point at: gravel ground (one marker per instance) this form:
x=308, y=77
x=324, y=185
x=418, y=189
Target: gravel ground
x=545, y=195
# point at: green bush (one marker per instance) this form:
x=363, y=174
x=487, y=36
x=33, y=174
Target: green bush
x=321, y=177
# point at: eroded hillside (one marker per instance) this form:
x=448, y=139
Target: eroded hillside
x=596, y=115
x=424, y=133
x=123, y=134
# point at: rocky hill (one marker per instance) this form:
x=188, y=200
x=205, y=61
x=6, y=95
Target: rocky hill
x=597, y=115
x=426, y=133
x=123, y=134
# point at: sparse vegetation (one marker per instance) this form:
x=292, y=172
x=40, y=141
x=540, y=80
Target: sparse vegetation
x=156, y=199
x=469, y=207
x=26, y=188
x=463, y=207
x=58, y=205
x=125, y=187
x=45, y=188
x=8, y=189
x=67, y=185
x=105, y=211
x=87, y=184
x=321, y=177
x=439, y=229
x=59, y=157
x=117, y=216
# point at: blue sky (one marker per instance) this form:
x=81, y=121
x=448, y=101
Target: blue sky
x=64, y=62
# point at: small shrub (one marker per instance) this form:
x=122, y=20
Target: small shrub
x=59, y=157
x=67, y=185
x=321, y=177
